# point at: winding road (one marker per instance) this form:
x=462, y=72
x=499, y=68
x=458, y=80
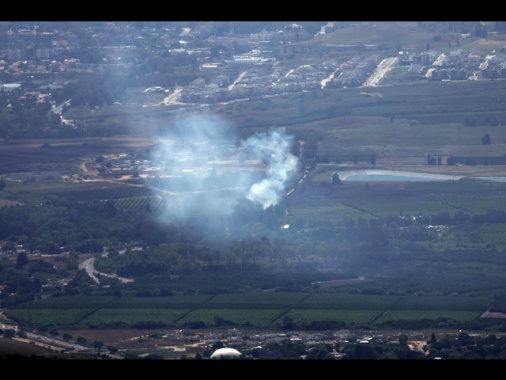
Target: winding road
x=88, y=266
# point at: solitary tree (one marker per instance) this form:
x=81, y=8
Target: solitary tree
x=81, y=340
x=403, y=340
x=98, y=344
x=336, y=180
x=22, y=260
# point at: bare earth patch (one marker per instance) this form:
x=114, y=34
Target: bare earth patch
x=6, y=202
x=489, y=314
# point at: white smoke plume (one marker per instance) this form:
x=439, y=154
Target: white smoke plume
x=274, y=148
x=203, y=156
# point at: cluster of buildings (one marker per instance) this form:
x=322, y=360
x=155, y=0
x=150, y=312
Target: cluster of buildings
x=48, y=54
x=238, y=345
x=247, y=77
x=266, y=77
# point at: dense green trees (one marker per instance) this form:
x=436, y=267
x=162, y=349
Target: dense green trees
x=400, y=252
x=75, y=226
x=22, y=260
x=382, y=247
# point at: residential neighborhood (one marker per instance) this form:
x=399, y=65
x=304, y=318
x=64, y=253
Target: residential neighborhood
x=42, y=57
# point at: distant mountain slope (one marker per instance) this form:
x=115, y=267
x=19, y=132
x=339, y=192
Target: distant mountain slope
x=397, y=35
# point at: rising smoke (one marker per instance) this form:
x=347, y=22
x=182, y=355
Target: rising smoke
x=274, y=148
x=207, y=170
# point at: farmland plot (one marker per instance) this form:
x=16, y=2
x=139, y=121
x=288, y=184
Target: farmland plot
x=415, y=315
x=272, y=300
x=342, y=301
x=172, y=302
x=50, y=317
x=347, y=316
x=131, y=317
x=443, y=303
x=255, y=318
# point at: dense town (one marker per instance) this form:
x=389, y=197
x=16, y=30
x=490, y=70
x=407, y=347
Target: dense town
x=233, y=64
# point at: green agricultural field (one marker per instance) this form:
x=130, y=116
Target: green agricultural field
x=441, y=314
x=32, y=192
x=66, y=317
x=251, y=318
x=399, y=207
x=446, y=303
x=130, y=317
x=494, y=234
x=272, y=300
x=323, y=212
x=172, y=302
x=75, y=302
x=254, y=310
x=353, y=200
x=480, y=204
x=340, y=301
x=140, y=203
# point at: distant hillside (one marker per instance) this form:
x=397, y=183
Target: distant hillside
x=397, y=35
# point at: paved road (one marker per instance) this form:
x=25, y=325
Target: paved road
x=173, y=98
x=54, y=343
x=384, y=66
x=88, y=266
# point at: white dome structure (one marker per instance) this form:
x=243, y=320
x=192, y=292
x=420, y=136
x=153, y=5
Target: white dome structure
x=226, y=353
